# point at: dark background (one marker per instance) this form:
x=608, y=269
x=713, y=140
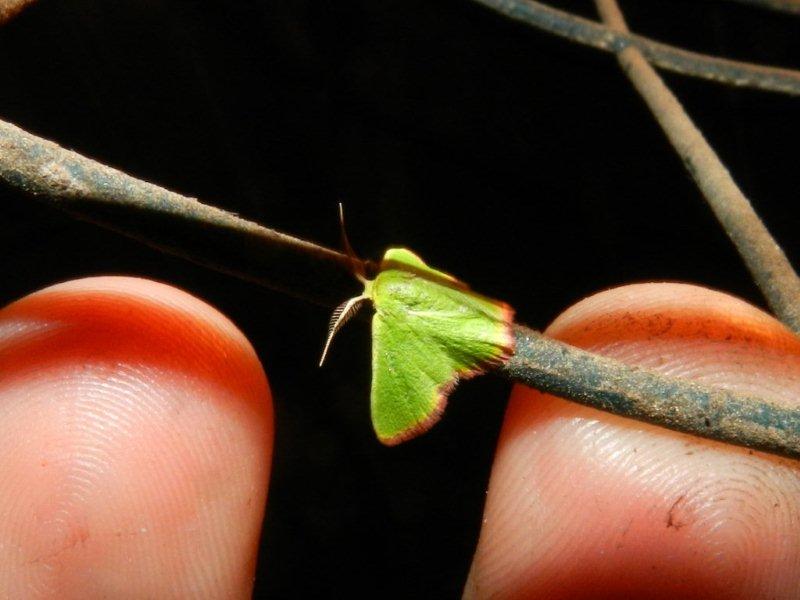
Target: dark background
x=523, y=164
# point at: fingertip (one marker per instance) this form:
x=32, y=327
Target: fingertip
x=137, y=320
x=668, y=311
x=585, y=504
x=138, y=431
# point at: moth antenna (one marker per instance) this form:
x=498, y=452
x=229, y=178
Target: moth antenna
x=355, y=264
x=341, y=315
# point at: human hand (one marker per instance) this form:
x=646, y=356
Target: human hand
x=585, y=504
x=138, y=432
x=135, y=448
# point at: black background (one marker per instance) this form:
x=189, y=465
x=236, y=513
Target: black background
x=524, y=164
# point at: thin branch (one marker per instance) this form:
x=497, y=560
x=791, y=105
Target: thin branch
x=170, y=222
x=763, y=257
x=11, y=8
x=554, y=367
x=667, y=57
x=219, y=239
x=787, y=6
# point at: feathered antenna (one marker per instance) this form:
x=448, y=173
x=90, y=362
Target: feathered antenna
x=341, y=315
x=347, y=309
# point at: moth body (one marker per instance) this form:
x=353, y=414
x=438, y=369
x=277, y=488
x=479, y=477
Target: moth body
x=428, y=332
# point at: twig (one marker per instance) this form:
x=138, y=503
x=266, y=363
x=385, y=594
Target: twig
x=11, y=8
x=788, y=6
x=678, y=404
x=213, y=237
x=170, y=222
x=763, y=257
x=667, y=57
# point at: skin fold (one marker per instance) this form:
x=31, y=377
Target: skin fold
x=137, y=433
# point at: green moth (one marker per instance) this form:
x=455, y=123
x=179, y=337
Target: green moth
x=428, y=332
